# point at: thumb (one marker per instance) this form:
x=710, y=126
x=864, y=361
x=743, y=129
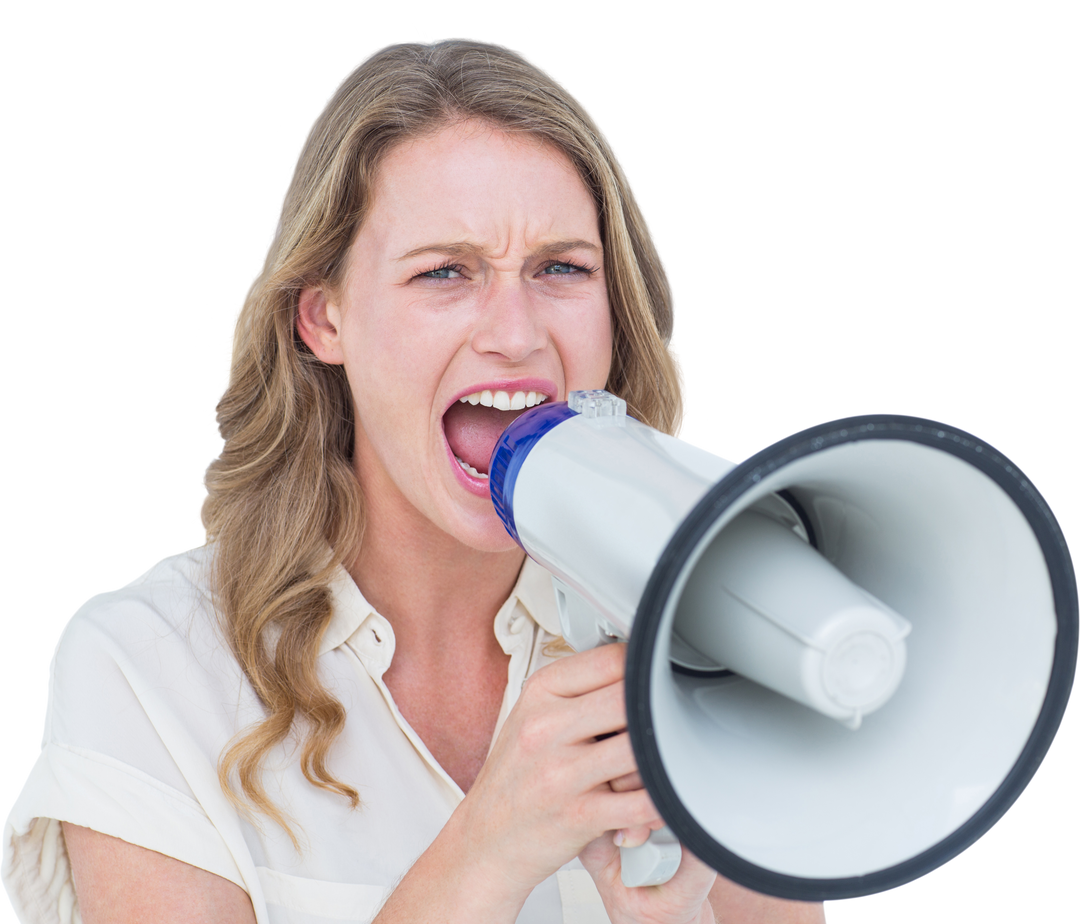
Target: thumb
x=601, y=857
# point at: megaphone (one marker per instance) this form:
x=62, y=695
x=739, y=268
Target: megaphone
x=847, y=656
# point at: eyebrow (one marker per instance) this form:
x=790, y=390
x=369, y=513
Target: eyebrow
x=466, y=248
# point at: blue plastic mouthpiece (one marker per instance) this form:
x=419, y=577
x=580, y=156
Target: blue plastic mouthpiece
x=511, y=451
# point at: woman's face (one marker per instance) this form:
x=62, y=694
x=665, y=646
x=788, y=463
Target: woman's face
x=477, y=275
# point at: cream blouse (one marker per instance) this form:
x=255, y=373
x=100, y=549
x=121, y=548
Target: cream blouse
x=145, y=695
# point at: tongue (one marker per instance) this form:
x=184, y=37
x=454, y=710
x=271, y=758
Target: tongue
x=473, y=430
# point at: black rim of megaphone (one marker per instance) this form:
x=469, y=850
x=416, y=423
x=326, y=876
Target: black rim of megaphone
x=726, y=492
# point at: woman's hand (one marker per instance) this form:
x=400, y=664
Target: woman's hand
x=543, y=792
x=683, y=899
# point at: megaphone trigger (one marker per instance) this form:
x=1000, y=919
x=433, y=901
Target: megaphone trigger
x=651, y=863
x=582, y=625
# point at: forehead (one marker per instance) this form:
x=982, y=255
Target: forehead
x=469, y=150
x=476, y=180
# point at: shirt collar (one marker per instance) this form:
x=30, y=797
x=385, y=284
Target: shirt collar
x=533, y=591
x=537, y=595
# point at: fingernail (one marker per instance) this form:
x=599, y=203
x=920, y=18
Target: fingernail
x=619, y=838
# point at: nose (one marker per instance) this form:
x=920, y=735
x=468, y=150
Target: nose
x=510, y=322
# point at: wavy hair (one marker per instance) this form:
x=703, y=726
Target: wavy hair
x=284, y=509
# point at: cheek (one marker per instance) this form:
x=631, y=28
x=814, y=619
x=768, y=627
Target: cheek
x=376, y=357
x=587, y=350
x=380, y=346
x=395, y=360
x=606, y=336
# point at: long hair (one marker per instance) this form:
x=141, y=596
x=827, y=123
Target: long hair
x=284, y=507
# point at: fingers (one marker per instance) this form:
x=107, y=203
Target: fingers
x=627, y=782
x=609, y=759
x=543, y=723
x=583, y=672
x=627, y=811
x=637, y=835
x=598, y=714
x=632, y=837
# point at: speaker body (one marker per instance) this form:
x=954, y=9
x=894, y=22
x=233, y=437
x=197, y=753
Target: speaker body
x=930, y=521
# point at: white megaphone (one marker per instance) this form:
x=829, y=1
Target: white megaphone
x=847, y=655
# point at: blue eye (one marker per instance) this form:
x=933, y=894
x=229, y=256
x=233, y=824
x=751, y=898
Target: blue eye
x=442, y=272
x=562, y=269
x=456, y=268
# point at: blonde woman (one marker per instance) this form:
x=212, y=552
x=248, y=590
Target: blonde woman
x=352, y=703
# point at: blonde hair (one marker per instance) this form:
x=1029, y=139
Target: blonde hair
x=283, y=507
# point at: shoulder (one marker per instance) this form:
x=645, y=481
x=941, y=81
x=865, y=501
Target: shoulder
x=172, y=592
x=170, y=603
x=158, y=626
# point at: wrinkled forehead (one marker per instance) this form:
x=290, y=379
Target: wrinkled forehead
x=474, y=182
x=463, y=153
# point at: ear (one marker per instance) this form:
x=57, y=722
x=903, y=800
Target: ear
x=317, y=322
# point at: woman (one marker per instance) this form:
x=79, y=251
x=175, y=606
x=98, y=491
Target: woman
x=311, y=718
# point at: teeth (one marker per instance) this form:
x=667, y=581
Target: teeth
x=504, y=401
x=472, y=471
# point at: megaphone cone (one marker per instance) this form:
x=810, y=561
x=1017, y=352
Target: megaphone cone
x=825, y=750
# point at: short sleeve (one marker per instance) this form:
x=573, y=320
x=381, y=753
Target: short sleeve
x=134, y=726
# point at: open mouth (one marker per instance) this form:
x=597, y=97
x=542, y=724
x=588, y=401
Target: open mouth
x=474, y=423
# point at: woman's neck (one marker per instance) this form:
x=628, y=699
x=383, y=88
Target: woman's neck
x=437, y=593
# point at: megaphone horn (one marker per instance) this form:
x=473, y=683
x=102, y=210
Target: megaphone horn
x=847, y=655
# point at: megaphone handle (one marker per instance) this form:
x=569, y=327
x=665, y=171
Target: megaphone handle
x=653, y=862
